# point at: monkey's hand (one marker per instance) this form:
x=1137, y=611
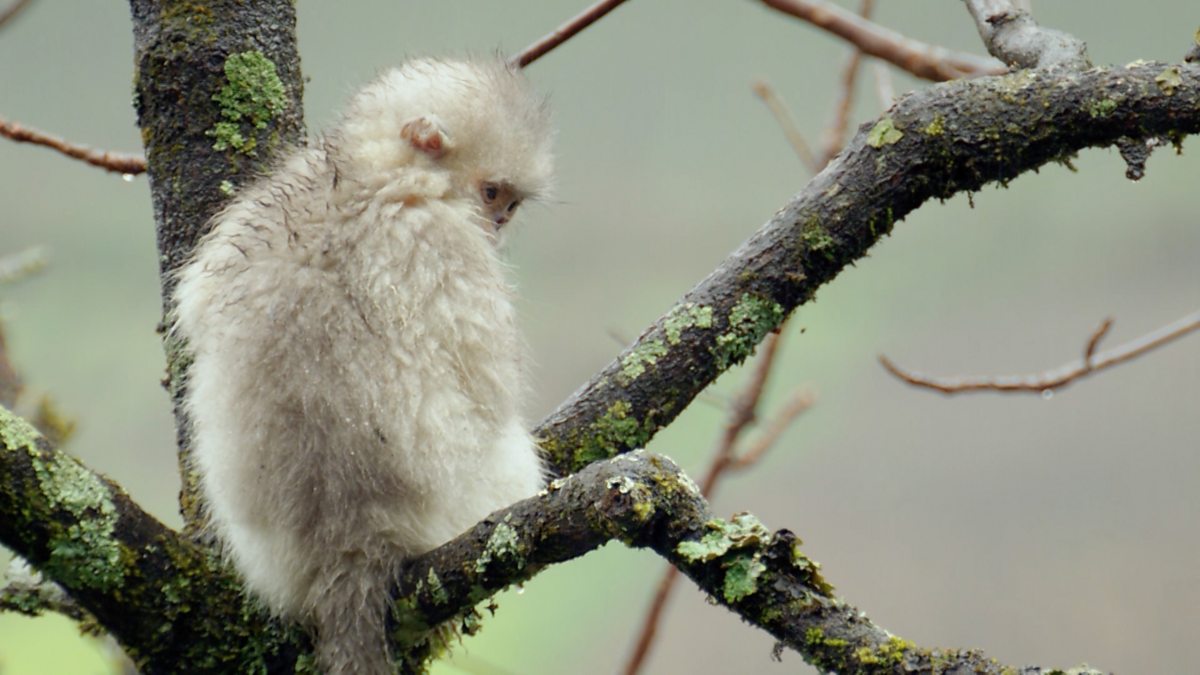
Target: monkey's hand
x=426, y=135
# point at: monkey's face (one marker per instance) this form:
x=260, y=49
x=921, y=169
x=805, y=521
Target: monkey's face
x=498, y=202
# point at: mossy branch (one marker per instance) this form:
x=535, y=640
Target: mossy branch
x=949, y=138
x=171, y=604
x=218, y=94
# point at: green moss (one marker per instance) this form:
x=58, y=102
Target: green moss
x=1169, y=80
x=436, y=590
x=646, y=354
x=226, y=188
x=251, y=97
x=937, y=127
x=1102, y=108
x=502, y=544
x=683, y=317
x=616, y=430
x=884, y=133
x=816, y=238
x=749, y=321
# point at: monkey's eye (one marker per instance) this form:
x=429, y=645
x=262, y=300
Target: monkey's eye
x=513, y=206
x=490, y=192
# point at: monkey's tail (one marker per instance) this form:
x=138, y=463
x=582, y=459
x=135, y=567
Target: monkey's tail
x=350, y=616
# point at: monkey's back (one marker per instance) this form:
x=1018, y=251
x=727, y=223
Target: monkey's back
x=356, y=378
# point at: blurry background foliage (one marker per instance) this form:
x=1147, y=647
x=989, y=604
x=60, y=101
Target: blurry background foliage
x=1044, y=531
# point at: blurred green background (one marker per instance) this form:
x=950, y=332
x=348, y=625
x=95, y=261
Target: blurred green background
x=1043, y=531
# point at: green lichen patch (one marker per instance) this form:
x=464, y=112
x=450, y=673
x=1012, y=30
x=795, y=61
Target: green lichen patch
x=749, y=322
x=1169, y=80
x=884, y=133
x=644, y=355
x=817, y=239
x=936, y=127
x=503, y=544
x=616, y=430
x=250, y=98
x=1102, y=108
x=741, y=531
x=436, y=590
x=890, y=653
x=685, y=316
x=83, y=553
x=741, y=577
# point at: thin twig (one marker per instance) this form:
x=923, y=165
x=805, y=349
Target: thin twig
x=883, y=84
x=800, y=401
x=923, y=60
x=835, y=135
x=1057, y=378
x=564, y=32
x=12, y=10
x=116, y=162
x=784, y=119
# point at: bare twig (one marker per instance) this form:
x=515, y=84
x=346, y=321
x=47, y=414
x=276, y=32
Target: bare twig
x=1011, y=35
x=564, y=32
x=784, y=119
x=923, y=60
x=19, y=266
x=883, y=84
x=835, y=135
x=1057, y=378
x=27, y=592
x=116, y=162
x=8, y=13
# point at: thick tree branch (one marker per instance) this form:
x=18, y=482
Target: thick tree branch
x=1011, y=35
x=935, y=143
x=923, y=60
x=218, y=96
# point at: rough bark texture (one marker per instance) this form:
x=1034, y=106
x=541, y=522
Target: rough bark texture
x=218, y=91
x=931, y=144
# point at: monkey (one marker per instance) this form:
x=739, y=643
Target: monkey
x=356, y=377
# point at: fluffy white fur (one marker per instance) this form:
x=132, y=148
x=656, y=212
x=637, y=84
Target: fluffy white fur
x=357, y=377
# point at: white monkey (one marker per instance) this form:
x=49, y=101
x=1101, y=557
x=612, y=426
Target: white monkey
x=356, y=380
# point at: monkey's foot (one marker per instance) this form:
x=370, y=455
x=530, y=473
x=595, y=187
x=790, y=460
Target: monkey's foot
x=426, y=135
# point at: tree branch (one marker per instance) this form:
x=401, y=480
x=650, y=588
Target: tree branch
x=1060, y=377
x=200, y=150
x=564, y=32
x=111, y=161
x=935, y=143
x=1011, y=35
x=12, y=10
x=923, y=60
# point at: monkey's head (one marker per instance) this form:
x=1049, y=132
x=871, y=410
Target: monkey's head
x=476, y=124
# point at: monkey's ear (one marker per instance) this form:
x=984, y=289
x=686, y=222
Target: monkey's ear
x=426, y=135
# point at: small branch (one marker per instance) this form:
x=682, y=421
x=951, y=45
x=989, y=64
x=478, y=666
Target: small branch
x=923, y=60
x=784, y=119
x=116, y=162
x=883, y=85
x=564, y=32
x=835, y=135
x=10, y=12
x=1057, y=378
x=29, y=594
x=19, y=266
x=1011, y=35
